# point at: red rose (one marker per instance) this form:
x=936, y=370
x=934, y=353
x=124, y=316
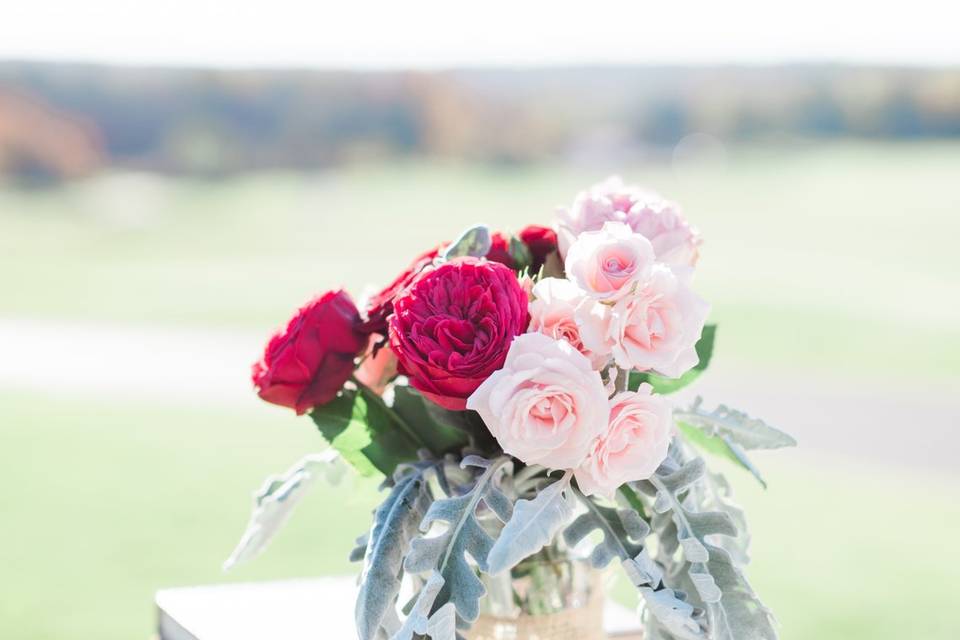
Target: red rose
x=500, y=250
x=380, y=306
x=306, y=364
x=453, y=326
x=542, y=241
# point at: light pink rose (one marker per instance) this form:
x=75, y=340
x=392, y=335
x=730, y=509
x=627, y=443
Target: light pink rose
x=659, y=221
x=634, y=445
x=610, y=263
x=657, y=328
x=377, y=370
x=647, y=213
x=558, y=309
x=546, y=405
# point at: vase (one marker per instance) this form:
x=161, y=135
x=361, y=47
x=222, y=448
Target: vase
x=549, y=596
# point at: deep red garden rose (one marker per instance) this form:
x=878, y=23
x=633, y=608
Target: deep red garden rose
x=306, y=364
x=380, y=306
x=452, y=327
x=542, y=241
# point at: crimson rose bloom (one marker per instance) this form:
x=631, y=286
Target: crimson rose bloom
x=542, y=241
x=453, y=326
x=380, y=306
x=306, y=364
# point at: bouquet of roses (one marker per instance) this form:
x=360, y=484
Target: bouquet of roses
x=512, y=391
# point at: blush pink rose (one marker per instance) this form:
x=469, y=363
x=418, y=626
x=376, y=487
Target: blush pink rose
x=660, y=221
x=378, y=367
x=610, y=263
x=546, y=405
x=558, y=309
x=633, y=446
x=656, y=329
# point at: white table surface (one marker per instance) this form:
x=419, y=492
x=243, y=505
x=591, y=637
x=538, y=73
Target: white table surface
x=309, y=609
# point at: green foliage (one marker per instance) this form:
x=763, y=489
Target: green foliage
x=664, y=385
x=365, y=433
x=434, y=427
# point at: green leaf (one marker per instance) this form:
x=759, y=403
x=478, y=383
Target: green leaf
x=520, y=252
x=364, y=433
x=664, y=385
x=415, y=410
x=719, y=446
x=475, y=242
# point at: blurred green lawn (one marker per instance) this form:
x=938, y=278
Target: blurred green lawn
x=819, y=258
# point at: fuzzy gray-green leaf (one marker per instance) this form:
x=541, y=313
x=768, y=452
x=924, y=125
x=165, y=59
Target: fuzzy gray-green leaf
x=395, y=523
x=462, y=536
x=474, y=242
x=534, y=525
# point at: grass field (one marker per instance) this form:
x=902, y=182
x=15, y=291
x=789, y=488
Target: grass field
x=839, y=258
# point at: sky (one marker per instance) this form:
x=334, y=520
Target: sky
x=446, y=33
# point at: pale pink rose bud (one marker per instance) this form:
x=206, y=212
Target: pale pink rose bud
x=546, y=405
x=610, y=263
x=658, y=328
x=634, y=444
x=376, y=371
x=557, y=310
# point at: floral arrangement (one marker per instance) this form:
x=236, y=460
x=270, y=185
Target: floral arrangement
x=513, y=392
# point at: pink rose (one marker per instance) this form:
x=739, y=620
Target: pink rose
x=610, y=263
x=558, y=309
x=634, y=445
x=657, y=328
x=660, y=221
x=546, y=405
x=452, y=326
x=377, y=369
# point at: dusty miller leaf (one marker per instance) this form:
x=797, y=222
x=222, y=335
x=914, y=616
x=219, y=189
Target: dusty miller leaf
x=623, y=531
x=534, y=525
x=274, y=502
x=463, y=535
x=474, y=242
x=704, y=569
x=737, y=427
x=442, y=625
x=394, y=524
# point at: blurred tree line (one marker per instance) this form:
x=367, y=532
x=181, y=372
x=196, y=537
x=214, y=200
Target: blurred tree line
x=217, y=122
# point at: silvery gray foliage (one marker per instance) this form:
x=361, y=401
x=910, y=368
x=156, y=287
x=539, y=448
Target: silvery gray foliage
x=623, y=531
x=274, y=502
x=442, y=625
x=534, y=525
x=395, y=522
x=462, y=535
x=694, y=562
x=475, y=242
x=734, y=426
